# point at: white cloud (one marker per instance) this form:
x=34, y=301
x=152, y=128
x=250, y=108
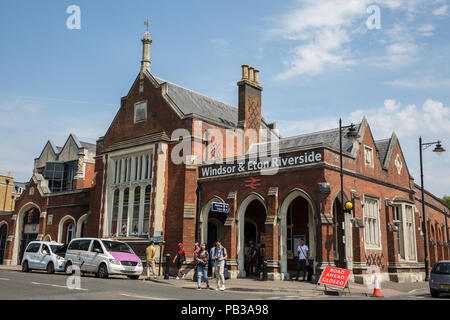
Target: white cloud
x=323, y=33
x=426, y=29
x=441, y=11
x=408, y=120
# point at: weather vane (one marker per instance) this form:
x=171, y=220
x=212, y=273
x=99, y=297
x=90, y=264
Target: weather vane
x=146, y=23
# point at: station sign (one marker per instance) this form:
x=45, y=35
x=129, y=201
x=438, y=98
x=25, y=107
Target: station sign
x=258, y=165
x=220, y=207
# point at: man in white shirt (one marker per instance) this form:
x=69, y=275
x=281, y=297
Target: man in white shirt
x=303, y=255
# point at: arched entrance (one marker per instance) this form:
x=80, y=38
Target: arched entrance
x=66, y=229
x=211, y=223
x=19, y=229
x=30, y=229
x=3, y=236
x=252, y=214
x=298, y=216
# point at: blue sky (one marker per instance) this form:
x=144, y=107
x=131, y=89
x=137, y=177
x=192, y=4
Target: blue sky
x=318, y=62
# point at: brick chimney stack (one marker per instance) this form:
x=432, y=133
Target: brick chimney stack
x=249, y=113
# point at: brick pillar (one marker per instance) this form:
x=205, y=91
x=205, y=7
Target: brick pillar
x=230, y=236
x=190, y=208
x=271, y=231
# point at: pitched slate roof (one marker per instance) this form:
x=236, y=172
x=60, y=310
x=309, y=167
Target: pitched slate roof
x=89, y=146
x=383, y=147
x=328, y=137
x=191, y=102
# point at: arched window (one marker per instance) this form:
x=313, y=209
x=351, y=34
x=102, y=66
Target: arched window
x=83, y=228
x=115, y=213
x=146, y=225
x=124, y=220
x=70, y=232
x=135, y=216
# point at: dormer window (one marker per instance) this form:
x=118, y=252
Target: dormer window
x=140, y=112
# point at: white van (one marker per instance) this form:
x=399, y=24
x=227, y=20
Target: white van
x=43, y=255
x=103, y=257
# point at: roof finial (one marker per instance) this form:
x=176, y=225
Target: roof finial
x=146, y=42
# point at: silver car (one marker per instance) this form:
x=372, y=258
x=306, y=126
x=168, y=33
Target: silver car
x=440, y=278
x=43, y=255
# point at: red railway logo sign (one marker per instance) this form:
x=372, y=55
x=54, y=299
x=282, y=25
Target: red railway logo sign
x=252, y=183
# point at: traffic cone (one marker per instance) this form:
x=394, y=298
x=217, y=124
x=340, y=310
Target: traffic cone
x=376, y=288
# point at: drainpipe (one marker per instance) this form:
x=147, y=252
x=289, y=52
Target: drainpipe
x=197, y=219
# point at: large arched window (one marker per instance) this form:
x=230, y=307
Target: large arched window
x=124, y=220
x=70, y=232
x=135, y=216
x=115, y=213
x=146, y=224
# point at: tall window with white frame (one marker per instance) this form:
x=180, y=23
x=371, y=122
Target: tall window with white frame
x=135, y=212
x=409, y=227
x=146, y=222
x=371, y=222
x=124, y=219
x=130, y=211
x=398, y=219
x=115, y=212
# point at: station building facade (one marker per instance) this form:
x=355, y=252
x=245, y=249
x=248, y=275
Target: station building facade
x=170, y=153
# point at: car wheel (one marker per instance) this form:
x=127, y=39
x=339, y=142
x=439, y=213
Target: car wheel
x=102, y=271
x=134, y=277
x=434, y=293
x=68, y=269
x=25, y=267
x=50, y=268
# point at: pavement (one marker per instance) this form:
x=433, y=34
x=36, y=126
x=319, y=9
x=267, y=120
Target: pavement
x=185, y=288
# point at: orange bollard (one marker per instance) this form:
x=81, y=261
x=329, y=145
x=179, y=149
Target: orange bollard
x=376, y=288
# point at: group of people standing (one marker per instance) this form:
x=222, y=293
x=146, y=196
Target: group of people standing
x=217, y=256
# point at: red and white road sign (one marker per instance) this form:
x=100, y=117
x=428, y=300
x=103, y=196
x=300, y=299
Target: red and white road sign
x=332, y=276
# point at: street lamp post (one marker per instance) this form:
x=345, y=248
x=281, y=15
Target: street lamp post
x=439, y=149
x=351, y=135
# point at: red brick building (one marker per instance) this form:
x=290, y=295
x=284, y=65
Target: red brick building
x=55, y=203
x=170, y=153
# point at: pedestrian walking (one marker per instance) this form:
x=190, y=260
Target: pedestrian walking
x=303, y=255
x=252, y=257
x=150, y=253
x=202, y=266
x=213, y=259
x=180, y=258
x=196, y=251
x=220, y=256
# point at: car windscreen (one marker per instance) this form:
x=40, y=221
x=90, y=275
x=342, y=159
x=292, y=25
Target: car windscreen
x=116, y=246
x=442, y=268
x=55, y=247
x=61, y=250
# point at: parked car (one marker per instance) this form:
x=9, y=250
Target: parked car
x=103, y=257
x=440, y=278
x=43, y=255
